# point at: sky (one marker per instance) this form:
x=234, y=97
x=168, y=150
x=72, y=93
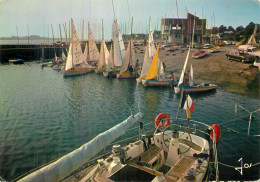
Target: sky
x=37, y=16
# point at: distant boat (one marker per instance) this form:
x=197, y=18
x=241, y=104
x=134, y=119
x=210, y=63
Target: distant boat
x=16, y=61
x=103, y=56
x=148, y=55
x=214, y=49
x=156, y=75
x=200, y=54
x=111, y=70
x=75, y=64
x=128, y=69
x=116, y=59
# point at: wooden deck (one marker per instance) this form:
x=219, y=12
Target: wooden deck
x=179, y=169
x=150, y=154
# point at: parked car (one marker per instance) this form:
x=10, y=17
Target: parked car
x=245, y=58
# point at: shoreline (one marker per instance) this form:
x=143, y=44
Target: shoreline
x=214, y=68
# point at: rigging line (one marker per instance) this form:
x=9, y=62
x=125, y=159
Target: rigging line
x=252, y=165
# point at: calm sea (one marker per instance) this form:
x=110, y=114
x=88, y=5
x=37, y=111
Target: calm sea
x=44, y=116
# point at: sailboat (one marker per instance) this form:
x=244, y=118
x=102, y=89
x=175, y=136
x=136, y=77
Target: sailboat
x=173, y=152
x=93, y=50
x=128, y=69
x=75, y=64
x=156, y=75
x=191, y=87
x=118, y=52
x=148, y=55
x=103, y=57
x=110, y=71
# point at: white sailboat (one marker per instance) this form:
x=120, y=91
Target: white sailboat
x=104, y=55
x=93, y=50
x=75, y=64
x=149, y=54
x=118, y=56
x=174, y=152
x=119, y=46
x=128, y=69
x=191, y=87
x=110, y=68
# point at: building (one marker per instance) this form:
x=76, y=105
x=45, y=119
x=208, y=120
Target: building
x=177, y=30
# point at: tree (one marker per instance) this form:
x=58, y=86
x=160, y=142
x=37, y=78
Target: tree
x=239, y=28
x=222, y=29
x=230, y=28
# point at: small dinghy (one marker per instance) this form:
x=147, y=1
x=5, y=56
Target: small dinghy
x=200, y=54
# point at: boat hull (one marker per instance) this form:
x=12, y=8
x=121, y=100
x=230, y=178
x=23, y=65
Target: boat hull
x=16, y=61
x=197, y=88
x=78, y=71
x=127, y=75
x=101, y=70
x=199, y=54
x=157, y=83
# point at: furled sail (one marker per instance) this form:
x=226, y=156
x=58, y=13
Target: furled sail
x=61, y=168
x=119, y=47
x=93, y=50
x=129, y=57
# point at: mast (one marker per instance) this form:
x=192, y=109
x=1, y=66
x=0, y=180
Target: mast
x=65, y=30
x=72, y=41
x=53, y=41
x=60, y=34
x=28, y=33
x=17, y=34
x=202, y=27
x=82, y=31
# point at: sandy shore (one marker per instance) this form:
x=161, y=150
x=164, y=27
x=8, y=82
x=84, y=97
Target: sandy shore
x=213, y=68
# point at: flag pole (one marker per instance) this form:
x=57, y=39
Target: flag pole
x=177, y=115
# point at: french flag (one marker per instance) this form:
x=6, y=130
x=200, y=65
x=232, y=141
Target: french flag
x=187, y=102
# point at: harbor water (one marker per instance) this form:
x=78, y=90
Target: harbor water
x=44, y=116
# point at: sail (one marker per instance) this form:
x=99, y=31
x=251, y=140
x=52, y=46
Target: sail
x=153, y=70
x=93, y=50
x=119, y=47
x=69, y=64
x=103, y=57
x=152, y=48
x=191, y=75
x=110, y=64
x=252, y=38
x=76, y=47
x=184, y=68
x=146, y=63
x=85, y=54
x=129, y=57
x=67, y=164
x=63, y=56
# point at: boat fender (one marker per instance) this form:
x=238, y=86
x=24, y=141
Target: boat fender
x=217, y=130
x=159, y=120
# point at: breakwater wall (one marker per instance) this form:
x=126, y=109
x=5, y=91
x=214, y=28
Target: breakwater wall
x=30, y=52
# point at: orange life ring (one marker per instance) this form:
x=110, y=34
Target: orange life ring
x=159, y=117
x=215, y=127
